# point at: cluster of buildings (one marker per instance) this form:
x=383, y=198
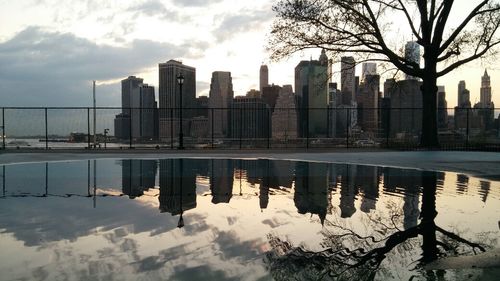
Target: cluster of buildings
x=317, y=108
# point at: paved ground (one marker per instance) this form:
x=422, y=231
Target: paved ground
x=479, y=164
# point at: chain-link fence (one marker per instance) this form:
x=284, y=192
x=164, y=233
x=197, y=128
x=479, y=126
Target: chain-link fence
x=246, y=126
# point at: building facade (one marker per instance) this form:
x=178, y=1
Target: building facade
x=220, y=99
x=250, y=118
x=311, y=87
x=442, y=104
x=406, y=112
x=137, y=119
x=263, y=77
x=169, y=95
x=284, y=116
x=368, y=103
x=348, y=80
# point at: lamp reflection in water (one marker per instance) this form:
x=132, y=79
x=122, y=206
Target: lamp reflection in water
x=180, y=224
x=177, y=187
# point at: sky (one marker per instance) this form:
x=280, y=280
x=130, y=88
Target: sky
x=51, y=50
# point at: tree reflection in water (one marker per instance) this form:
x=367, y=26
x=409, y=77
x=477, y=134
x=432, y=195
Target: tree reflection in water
x=348, y=255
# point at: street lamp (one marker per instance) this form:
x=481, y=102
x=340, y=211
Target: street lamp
x=106, y=131
x=180, y=81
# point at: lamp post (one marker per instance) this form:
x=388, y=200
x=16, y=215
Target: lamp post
x=180, y=81
x=95, y=133
x=106, y=131
x=180, y=224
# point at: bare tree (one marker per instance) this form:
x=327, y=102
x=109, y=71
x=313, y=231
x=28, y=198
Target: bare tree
x=365, y=28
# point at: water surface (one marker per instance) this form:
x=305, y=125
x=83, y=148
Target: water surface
x=219, y=219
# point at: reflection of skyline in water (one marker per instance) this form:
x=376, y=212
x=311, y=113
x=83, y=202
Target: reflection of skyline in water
x=312, y=184
x=229, y=206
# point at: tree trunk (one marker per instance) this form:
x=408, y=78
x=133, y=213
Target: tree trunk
x=429, y=137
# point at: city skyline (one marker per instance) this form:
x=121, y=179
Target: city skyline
x=109, y=42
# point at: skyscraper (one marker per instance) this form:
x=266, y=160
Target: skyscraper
x=130, y=93
x=485, y=98
x=412, y=54
x=138, y=110
x=463, y=95
x=323, y=59
x=442, y=114
x=250, y=118
x=264, y=77
x=368, y=105
x=220, y=99
x=270, y=94
x=486, y=106
x=130, y=87
x=143, y=112
x=461, y=114
x=368, y=68
x=169, y=94
x=404, y=119
x=284, y=117
x=311, y=88
x=348, y=79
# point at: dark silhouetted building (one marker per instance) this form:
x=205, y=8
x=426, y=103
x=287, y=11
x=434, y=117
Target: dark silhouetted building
x=284, y=117
x=138, y=176
x=311, y=89
x=264, y=77
x=406, y=108
x=221, y=180
x=138, y=111
x=442, y=105
x=368, y=103
x=250, y=118
x=221, y=97
x=169, y=95
x=177, y=186
x=311, y=189
x=270, y=95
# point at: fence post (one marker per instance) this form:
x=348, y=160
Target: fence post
x=46, y=131
x=3, y=128
x=46, y=179
x=88, y=178
x=88, y=127
x=467, y=131
x=3, y=180
x=212, y=127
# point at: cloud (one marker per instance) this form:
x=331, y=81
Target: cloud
x=242, y=22
x=202, y=88
x=155, y=8
x=195, y=3
x=41, y=68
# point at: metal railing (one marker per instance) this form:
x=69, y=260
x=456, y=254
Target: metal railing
x=242, y=128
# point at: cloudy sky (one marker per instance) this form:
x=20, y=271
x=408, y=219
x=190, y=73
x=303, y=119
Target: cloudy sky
x=51, y=50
